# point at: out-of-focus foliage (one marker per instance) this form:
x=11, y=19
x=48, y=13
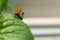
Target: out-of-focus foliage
x=4, y=5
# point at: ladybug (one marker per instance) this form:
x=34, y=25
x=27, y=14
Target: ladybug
x=19, y=13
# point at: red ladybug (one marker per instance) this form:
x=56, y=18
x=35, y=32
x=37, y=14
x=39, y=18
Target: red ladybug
x=19, y=13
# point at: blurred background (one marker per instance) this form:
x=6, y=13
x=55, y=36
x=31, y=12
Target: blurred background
x=42, y=16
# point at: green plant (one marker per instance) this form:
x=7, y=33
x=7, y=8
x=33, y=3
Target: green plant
x=4, y=5
x=11, y=27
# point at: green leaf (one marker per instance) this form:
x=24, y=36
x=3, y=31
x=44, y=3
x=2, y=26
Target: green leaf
x=12, y=28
